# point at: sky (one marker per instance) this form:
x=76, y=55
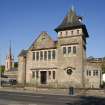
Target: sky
x=21, y=21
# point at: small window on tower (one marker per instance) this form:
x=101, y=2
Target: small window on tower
x=61, y=33
x=77, y=31
x=66, y=33
x=71, y=32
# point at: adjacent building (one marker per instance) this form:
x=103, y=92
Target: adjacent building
x=62, y=63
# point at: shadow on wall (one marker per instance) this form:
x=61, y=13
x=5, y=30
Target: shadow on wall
x=88, y=101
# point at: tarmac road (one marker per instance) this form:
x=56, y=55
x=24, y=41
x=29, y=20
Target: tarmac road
x=19, y=98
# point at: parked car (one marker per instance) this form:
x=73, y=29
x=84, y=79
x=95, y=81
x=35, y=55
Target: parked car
x=7, y=81
x=13, y=81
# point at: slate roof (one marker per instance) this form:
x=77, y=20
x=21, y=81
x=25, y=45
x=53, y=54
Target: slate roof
x=72, y=21
x=44, y=41
x=23, y=53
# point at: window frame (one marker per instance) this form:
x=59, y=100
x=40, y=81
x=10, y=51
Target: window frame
x=33, y=55
x=64, y=50
x=37, y=55
x=69, y=49
x=53, y=54
x=49, y=55
x=74, y=49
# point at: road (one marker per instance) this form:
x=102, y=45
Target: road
x=19, y=98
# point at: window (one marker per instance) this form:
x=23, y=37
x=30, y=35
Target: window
x=64, y=50
x=88, y=73
x=53, y=54
x=49, y=73
x=71, y=32
x=33, y=74
x=69, y=50
x=60, y=33
x=37, y=55
x=53, y=74
x=66, y=32
x=49, y=54
x=95, y=72
x=45, y=55
x=74, y=49
x=77, y=31
x=41, y=55
x=33, y=55
x=37, y=74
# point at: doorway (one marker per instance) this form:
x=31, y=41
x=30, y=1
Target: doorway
x=43, y=78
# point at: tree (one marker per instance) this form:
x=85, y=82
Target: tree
x=2, y=69
x=103, y=67
x=16, y=64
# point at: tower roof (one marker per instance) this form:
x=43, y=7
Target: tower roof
x=10, y=52
x=71, y=21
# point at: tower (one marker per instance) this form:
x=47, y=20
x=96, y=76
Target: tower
x=72, y=34
x=9, y=60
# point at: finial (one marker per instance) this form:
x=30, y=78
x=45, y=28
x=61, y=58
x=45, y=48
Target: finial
x=72, y=8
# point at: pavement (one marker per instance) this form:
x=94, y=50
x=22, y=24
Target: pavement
x=37, y=90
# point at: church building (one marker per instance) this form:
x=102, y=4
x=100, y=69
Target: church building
x=9, y=64
x=62, y=63
x=10, y=69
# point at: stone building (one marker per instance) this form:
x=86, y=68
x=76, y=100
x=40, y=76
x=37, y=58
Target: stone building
x=61, y=63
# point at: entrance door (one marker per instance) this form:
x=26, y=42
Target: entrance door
x=43, y=79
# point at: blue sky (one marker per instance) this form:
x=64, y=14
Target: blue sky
x=21, y=21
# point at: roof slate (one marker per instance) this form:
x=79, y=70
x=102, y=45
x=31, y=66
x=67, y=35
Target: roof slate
x=23, y=53
x=71, y=21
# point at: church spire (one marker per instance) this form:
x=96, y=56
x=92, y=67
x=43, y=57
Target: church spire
x=9, y=59
x=10, y=52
